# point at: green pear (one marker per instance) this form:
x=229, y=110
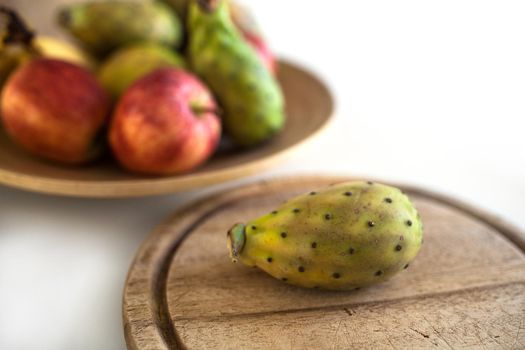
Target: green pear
x=104, y=26
x=128, y=64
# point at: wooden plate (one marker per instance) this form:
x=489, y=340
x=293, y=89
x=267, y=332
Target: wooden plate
x=466, y=289
x=309, y=107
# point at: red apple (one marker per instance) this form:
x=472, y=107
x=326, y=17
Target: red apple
x=165, y=123
x=54, y=109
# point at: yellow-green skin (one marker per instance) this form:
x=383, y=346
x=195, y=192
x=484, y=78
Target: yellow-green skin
x=103, y=26
x=179, y=6
x=249, y=94
x=131, y=63
x=343, y=237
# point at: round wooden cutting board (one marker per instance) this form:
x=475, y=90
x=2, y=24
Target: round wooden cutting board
x=466, y=289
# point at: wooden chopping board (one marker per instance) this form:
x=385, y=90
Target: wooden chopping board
x=466, y=289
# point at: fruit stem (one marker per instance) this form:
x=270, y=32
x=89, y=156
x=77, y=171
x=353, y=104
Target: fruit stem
x=236, y=241
x=197, y=110
x=208, y=5
x=64, y=17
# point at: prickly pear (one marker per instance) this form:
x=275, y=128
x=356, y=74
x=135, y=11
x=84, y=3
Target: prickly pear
x=130, y=63
x=103, y=26
x=343, y=237
x=250, y=96
x=245, y=21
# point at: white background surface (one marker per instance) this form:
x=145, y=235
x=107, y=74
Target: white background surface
x=429, y=93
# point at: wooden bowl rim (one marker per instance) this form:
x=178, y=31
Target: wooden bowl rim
x=148, y=186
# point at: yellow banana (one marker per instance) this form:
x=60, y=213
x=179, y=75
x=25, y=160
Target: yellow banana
x=52, y=47
x=19, y=44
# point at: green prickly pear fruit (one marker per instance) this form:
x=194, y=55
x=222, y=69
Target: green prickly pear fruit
x=245, y=21
x=103, y=26
x=345, y=236
x=250, y=96
x=130, y=63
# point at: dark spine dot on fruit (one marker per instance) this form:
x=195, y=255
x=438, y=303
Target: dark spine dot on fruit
x=371, y=223
x=283, y=234
x=301, y=269
x=379, y=273
x=336, y=275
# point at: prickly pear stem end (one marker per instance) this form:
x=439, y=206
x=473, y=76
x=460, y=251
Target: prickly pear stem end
x=236, y=240
x=64, y=17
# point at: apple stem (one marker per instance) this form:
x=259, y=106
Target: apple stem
x=201, y=110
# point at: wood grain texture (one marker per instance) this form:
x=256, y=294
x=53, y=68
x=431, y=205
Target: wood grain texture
x=466, y=289
x=309, y=107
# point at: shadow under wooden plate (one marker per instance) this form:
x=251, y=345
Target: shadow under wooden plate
x=466, y=288
x=309, y=106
